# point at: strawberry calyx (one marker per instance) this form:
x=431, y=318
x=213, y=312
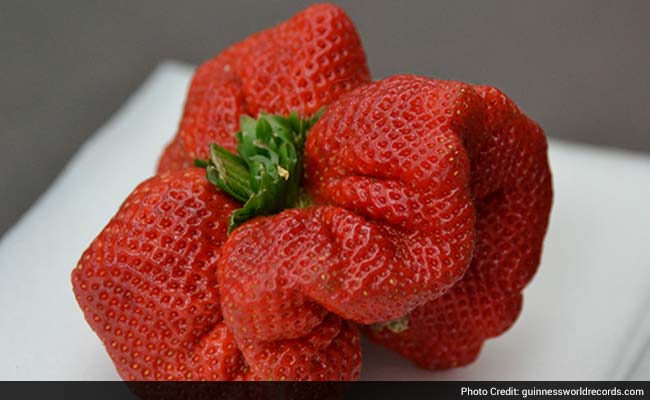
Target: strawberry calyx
x=396, y=326
x=266, y=173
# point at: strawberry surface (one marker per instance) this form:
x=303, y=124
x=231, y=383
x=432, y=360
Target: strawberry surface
x=411, y=179
x=393, y=223
x=148, y=287
x=300, y=65
x=512, y=190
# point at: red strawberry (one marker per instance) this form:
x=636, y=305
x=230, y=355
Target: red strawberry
x=402, y=174
x=173, y=157
x=300, y=65
x=511, y=185
x=148, y=288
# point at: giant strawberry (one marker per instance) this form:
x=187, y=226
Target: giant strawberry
x=372, y=214
x=300, y=65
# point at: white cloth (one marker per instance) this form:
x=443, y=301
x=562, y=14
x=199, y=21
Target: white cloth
x=585, y=313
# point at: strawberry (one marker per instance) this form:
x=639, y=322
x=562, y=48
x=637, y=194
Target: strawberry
x=412, y=205
x=173, y=157
x=300, y=65
x=148, y=288
x=511, y=185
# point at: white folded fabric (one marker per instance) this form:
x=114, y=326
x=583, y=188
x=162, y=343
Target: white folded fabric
x=585, y=314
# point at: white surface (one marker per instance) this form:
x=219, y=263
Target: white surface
x=585, y=314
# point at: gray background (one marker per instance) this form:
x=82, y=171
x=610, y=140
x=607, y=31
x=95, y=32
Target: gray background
x=578, y=67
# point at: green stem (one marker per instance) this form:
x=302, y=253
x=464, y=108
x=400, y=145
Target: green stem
x=396, y=326
x=266, y=173
x=230, y=173
x=201, y=163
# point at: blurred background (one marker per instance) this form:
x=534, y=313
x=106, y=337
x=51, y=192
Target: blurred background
x=580, y=68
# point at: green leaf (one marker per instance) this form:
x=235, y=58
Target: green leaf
x=266, y=173
x=263, y=130
x=201, y=163
x=229, y=172
x=247, y=123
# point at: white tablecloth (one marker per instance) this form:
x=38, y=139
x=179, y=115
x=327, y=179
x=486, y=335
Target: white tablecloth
x=585, y=314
